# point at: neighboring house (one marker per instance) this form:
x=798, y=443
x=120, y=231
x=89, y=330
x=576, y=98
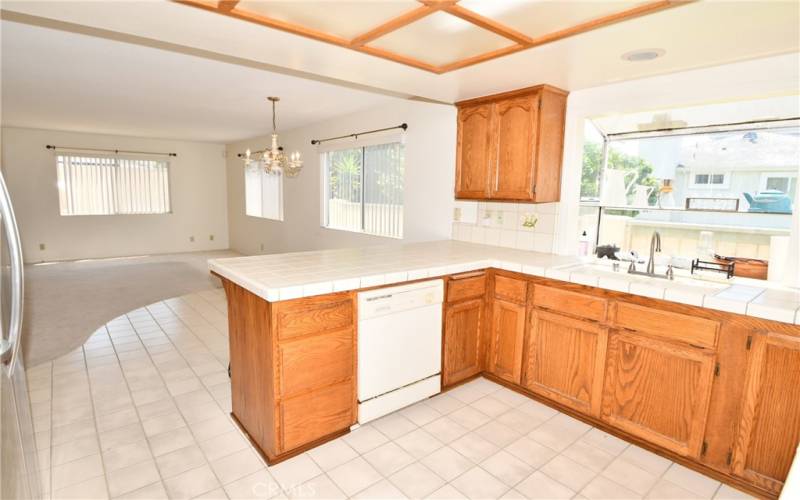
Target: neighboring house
x=729, y=165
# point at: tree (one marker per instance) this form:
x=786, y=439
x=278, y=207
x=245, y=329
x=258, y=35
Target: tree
x=345, y=174
x=593, y=164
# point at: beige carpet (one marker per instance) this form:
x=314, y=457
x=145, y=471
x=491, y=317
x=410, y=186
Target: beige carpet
x=66, y=302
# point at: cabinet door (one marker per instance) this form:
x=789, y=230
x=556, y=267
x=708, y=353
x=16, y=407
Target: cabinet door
x=508, y=336
x=473, y=152
x=565, y=360
x=769, y=428
x=658, y=391
x=515, y=132
x=462, y=337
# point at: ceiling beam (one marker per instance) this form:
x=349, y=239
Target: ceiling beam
x=486, y=56
x=487, y=24
x=438, y=4
x=227, y=4
x=393, y=24
x=392, y=56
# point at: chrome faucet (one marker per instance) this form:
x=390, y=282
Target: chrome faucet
x=655, y=246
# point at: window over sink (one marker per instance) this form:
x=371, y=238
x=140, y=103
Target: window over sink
x=727, y=169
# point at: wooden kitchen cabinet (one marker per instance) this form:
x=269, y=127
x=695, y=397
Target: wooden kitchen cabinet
x=510, y=146
x=462, y=352
x=507, y=339
x=473, y=151
x=769, y=426
x=293, y=369
x=515, y=133
x=658, y=390
x=565, y=360
x=711, y=390
x=462, y=341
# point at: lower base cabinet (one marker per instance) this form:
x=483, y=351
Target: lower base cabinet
x=658, y=391
x=316, y=414
x=507, y=340
x=643, y=367
x=565, y=360
x=462, y=341
x=769, y=430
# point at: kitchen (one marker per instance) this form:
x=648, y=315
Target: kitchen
x=417, y=306
x=671, y=358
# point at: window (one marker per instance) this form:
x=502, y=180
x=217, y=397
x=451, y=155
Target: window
x=263, y=194
x=783, y=182
x=363, y=189
x=101, y=185
x=737, y=183
x=709, y=180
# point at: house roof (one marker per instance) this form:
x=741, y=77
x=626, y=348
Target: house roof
x=745, y=150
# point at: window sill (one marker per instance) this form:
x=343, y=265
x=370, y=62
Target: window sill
x=365, y=233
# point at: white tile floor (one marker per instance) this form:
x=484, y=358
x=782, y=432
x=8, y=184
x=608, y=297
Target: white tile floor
x=141, y=411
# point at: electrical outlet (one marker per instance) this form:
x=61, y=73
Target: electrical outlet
x=262, y=247
x=211, y=237
x=41, y=246
x=191, y=238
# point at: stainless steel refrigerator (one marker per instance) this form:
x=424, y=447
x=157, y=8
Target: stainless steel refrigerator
x=19, y=474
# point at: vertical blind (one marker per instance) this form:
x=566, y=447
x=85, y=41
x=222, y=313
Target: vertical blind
x=263, y=194
x=364, y=189
x=99, y=185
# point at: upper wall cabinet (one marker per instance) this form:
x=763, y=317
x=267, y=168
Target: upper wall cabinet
x=510, y=146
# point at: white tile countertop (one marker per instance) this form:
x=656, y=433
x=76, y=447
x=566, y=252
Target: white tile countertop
x=279, y=277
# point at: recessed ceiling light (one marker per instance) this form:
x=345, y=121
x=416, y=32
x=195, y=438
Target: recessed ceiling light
x=643, y=55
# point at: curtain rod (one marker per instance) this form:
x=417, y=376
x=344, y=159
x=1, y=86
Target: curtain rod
x=115, y=151
x=403, y=126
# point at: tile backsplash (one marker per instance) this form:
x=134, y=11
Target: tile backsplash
x=525, y=226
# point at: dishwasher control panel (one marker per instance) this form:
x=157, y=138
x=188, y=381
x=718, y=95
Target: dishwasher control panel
x=397, y=299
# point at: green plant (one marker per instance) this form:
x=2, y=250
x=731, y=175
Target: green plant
x=593, y=163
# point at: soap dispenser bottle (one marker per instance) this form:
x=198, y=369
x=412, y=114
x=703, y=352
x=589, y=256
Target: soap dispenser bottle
x=583, y=245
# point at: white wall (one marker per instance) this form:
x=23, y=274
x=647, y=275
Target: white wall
x=430, y=170
x=197, y=188
x=753, y=79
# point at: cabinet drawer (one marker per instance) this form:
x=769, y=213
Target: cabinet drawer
x=316, y=414
x=466, y=286
x=314, y=362
x=573, y=303
x=510, y=289
x=294, y=318
x=668, y=325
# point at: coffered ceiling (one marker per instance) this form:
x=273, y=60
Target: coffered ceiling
x=436, y=35
x=693, y=35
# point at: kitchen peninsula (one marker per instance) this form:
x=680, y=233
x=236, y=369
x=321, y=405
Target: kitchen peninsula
x=701, y=372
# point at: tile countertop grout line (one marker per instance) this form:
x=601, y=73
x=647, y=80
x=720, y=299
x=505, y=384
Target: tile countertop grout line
x=378, y=268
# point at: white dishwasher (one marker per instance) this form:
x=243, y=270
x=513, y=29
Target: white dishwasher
x=399, y=347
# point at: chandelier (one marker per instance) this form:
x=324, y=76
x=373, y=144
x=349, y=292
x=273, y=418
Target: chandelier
x=272, y=159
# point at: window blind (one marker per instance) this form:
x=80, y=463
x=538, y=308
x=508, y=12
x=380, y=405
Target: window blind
x=263, y=194
x=98, y=185
x=363, y=189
